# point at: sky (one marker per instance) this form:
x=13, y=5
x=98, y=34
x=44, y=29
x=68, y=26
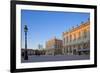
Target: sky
x=44, y=25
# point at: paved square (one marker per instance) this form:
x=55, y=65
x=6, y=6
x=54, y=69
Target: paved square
x=46, y=58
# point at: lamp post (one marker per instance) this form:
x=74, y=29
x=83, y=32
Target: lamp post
x=25, y=53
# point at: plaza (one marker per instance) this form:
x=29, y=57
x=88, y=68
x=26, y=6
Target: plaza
x=56, y=42
x=51, y=58
x=75, y=45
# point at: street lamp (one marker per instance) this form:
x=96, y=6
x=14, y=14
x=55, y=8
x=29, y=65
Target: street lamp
x=25, y=53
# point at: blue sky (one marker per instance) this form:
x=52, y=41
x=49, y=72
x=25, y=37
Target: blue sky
x=44, y=25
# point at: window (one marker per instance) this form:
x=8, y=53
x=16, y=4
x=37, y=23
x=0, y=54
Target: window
x=74, y=36
x=70, y=38
x=64, y=41
x=79, y=34
x=85, y=34
x=67, y=39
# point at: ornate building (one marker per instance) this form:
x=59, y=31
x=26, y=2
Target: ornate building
x=77, y=40
x=54, y=47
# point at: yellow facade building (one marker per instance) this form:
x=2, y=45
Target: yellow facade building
x=76, y=41
x=54, y=47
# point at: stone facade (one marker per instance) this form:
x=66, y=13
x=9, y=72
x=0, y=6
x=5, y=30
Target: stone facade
x=54, y=47
x=77, y=40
